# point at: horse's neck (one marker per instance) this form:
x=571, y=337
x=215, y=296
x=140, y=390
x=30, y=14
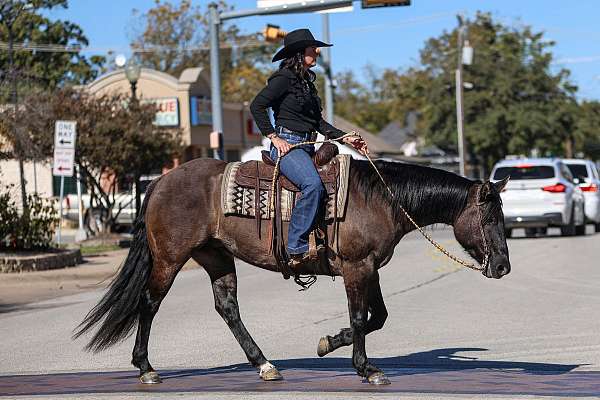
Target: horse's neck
x=439, y=208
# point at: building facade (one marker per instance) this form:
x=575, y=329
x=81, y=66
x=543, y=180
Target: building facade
x=182, y=103
x=185, y=103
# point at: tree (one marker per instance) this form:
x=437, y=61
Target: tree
x=114, y=137
x=175, y=37
x=22, y=22
x=587, y=129
x=359, y=103
x=517, y=104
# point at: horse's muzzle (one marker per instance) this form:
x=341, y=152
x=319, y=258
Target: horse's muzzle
x=497, y=268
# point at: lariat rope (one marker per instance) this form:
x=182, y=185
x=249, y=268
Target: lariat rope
x=412, y=221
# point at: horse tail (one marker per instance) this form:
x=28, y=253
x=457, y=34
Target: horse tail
x=119, y=308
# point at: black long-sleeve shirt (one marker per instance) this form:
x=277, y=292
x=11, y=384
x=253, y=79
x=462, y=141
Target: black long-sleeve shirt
x=294, y=108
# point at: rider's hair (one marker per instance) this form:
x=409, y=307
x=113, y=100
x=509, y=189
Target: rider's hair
x=295, y=63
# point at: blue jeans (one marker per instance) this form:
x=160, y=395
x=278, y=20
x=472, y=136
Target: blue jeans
x=298, y=167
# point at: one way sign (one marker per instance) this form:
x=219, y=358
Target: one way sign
x=64, y=148
x=64, y=134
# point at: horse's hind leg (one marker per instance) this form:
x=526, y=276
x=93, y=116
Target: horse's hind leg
x=378, y=312
x=162, y=277
x=221, y=269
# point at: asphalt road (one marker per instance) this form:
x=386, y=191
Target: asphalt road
x=451, y=333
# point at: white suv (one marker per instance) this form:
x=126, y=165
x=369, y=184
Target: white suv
x=541, y=193
x=586, y=176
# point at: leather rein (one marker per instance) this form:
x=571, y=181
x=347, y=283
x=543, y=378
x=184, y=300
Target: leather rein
x=428, y=237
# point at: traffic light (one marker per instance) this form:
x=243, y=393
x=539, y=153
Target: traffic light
x=273, y=34
x=384, y=3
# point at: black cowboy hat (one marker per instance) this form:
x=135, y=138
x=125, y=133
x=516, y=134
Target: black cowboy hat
x=295, y=41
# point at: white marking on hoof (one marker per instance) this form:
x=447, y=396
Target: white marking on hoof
x=268, y=372
x=150, y=378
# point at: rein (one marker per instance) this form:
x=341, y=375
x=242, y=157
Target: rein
x=428, y=237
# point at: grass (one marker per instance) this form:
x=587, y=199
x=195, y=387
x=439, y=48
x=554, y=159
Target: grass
x=97, y=249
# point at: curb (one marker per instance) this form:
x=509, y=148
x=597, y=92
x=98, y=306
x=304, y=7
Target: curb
x=39, y=261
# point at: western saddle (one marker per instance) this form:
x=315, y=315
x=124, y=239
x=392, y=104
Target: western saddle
x=259, y=176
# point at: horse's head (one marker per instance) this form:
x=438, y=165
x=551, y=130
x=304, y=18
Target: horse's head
x=480, y=228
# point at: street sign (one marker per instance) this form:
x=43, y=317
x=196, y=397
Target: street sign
x=64, y=159
x=275, y=3
x=64, y=134
x=384, y=3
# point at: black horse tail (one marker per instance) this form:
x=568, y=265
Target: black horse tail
x=119, y=308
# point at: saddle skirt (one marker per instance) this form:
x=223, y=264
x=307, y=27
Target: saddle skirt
x=246, y=189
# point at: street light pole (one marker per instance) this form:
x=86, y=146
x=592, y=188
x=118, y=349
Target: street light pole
x=133, y=70
x=459, y=98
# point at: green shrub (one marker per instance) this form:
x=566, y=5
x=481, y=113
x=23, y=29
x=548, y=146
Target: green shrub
x=32, y=229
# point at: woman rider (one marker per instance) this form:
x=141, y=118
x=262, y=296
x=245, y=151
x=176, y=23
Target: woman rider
x=292, y=95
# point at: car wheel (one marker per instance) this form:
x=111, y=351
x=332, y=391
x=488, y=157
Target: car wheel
x=580, y=229
x=597, y=228
x=530, y=232
x=542, y=231
x=569, y=229
x=508, y=233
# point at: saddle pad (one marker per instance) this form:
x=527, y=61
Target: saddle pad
x=238, y=200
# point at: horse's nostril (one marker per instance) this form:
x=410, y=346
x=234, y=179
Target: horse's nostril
x=502, y=269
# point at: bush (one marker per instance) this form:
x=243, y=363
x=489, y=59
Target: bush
x=32, y=229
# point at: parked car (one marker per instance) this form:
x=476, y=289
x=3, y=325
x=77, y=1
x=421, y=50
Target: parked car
x=541, y=193
x=92, y=217
x=586, y=176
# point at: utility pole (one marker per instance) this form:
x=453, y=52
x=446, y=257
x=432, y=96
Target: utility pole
x=328, y=72
x=459, y=98
x=215, y=19
x=215, y=80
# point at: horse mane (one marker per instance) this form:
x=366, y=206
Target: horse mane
x=427, y=194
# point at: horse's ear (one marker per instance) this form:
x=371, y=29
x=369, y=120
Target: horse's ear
x=499, y=186
x=486, y=192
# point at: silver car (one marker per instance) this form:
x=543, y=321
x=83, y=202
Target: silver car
x=586, y=176
x=541, y=193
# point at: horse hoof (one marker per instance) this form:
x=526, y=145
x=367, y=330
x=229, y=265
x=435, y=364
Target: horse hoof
x=150, y=378
x=323, y=347
x=271, y=374
x=378, y=378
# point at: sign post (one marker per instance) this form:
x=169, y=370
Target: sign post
x=64, y=158
x=81, y=233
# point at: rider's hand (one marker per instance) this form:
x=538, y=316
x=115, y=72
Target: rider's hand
x=281, y=145
x=358, y=143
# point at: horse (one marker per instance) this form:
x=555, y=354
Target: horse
x=181, y=218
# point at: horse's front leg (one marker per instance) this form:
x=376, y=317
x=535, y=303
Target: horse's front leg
x=377, y=319
x=357, y=279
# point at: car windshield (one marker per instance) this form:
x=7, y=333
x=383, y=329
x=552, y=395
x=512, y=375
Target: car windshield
x=578, y=170
x=524, y=172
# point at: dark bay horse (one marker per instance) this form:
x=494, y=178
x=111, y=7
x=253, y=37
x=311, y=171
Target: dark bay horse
x=181, y=217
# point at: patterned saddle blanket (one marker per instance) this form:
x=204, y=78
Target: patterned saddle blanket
x=243, y=182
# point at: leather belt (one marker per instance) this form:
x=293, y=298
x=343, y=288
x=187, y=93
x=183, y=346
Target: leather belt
x=307, y=136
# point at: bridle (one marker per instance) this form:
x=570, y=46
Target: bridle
x=486, y=254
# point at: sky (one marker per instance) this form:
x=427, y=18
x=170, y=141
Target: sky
x=388, y=37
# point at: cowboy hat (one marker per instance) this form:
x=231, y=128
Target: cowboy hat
x=295, y=41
